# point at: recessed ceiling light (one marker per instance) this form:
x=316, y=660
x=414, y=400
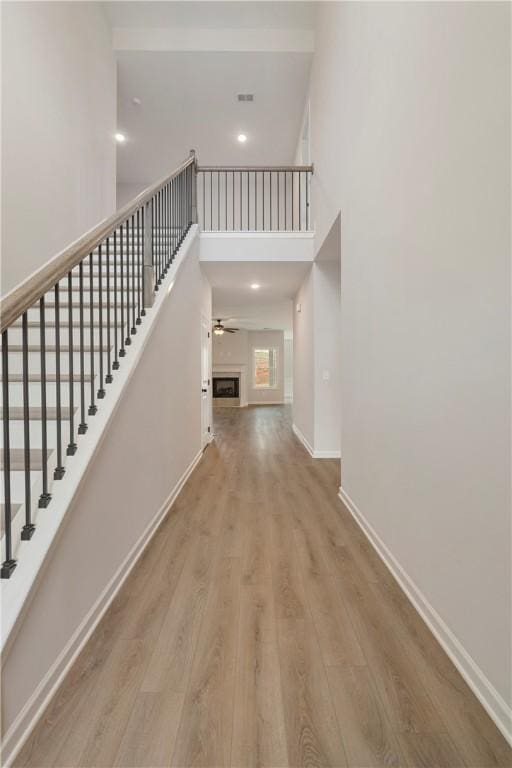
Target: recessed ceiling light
x=120, y=137
x=242, y=138
x=136, y=101
x=255, y=286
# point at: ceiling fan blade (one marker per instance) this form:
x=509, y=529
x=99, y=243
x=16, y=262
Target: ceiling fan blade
x=230, y=330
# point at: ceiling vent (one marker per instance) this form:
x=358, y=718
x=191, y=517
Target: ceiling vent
x=246, y=97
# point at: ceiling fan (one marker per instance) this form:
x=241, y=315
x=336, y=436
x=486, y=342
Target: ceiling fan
x=219, y=329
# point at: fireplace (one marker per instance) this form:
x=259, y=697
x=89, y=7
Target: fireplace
x=226, y=386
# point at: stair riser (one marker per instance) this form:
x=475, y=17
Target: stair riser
x=16, y=433
x=16, y=335
x=34, y=393
x=33, y=313
x=63, y=297
x=34, y=362
x=18, y=485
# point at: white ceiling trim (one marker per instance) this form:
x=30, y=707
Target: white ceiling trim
x=197, y=39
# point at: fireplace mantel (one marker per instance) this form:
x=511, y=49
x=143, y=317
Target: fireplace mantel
x=223, y=369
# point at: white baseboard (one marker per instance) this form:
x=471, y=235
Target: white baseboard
x=28, y=717
x=486, y=693
x=309, y=448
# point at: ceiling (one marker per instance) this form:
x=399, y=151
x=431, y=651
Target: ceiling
x=189, y=100
x=212, y=15
x=187, y=61
x=269, y=307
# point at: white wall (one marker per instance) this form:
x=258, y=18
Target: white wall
x=410, y=128
x=126, y=192
x=303, y=360
x=237, y=348
x=317, y=354
x=58, y=126
x=152, y=438
x=288, y=368
x=327, y=356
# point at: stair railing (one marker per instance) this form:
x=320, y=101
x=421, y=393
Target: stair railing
x=254, y=198
x=89, y=300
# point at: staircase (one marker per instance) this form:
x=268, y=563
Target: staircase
x=62, y=345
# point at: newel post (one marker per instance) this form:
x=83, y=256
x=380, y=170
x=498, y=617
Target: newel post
x=149, y=278
x=194, y=187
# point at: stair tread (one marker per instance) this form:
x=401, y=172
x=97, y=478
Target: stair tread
x=16, y=413
x=17, y=456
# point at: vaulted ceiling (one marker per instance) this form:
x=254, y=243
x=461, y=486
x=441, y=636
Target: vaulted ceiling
x=186, y=62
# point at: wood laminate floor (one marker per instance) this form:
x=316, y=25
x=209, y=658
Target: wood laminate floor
x=260, y=629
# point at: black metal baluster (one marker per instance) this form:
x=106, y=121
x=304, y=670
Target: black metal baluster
x=115, y=364
x=122, y=351
x=270, y=174
x=154, y=241
x=255, y=201
x=307, y=199
x=29, y=528
x=203, y=182
x=166, y=232
x=71, y=449
x=9, y=563
x=58, y=472
x=131, y=288
x=286, y=200
x=140, y=248
x=211, y=202
x=82, y=427
x=293, y=201
x=159, y=251
x=101, y=389
x=278, y=202
x=226, y=198
x=175, y=214
x=92, y=406
x=241, y=207
x=45, y=497
x=248, y=214
x=126, y=282
x=300, y=202
x=233, y=196
x=142, y=260
x=263, y=198
x=108, y=377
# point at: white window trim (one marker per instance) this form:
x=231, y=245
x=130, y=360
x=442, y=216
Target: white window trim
x=276, y=357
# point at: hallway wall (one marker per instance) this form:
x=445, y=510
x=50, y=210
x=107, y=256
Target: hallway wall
x=58, y=126
x=410, y=129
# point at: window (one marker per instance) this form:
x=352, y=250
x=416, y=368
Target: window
x=265, y=368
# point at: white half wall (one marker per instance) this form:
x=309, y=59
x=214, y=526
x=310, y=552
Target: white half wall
x=257, y=246
x=410, y=129
x=58, y=126
x=152, y=440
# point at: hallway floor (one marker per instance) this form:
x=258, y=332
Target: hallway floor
x=260, y=629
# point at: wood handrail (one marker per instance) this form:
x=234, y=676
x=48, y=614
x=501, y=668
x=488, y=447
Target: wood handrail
x=261, y=168
x=25, y=295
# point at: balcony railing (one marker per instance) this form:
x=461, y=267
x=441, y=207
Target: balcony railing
x=254, y=199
